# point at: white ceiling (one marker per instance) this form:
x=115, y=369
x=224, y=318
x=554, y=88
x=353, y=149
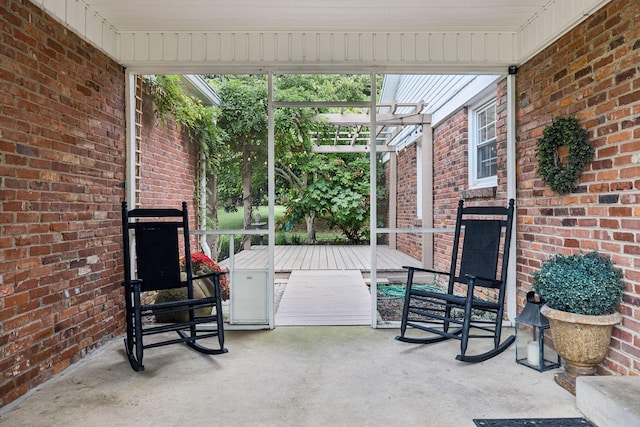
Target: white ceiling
x=319, y=15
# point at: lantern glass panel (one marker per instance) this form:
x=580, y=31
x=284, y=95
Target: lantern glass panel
x=532, y=347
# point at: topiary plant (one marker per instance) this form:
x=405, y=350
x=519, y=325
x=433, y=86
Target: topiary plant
x=581, y=284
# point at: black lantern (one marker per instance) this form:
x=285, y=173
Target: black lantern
x=530, y=328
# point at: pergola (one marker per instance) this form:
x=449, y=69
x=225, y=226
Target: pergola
x=337, y=36
x=352, y=133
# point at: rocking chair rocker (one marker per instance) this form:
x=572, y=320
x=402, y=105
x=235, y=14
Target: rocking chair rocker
x=483, y=234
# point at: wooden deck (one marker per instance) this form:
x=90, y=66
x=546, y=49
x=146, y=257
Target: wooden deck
x=322, y=257
x=324, y=284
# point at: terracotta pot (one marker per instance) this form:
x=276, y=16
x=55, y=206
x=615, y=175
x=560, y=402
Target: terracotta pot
x=581, y=340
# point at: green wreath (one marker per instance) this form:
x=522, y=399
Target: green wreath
x=562, y=178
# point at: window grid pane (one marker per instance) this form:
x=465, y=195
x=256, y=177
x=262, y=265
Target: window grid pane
x=486, y=150
x=487, y=160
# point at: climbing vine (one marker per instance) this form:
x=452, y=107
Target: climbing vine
x=199, y=120
x=564, y=131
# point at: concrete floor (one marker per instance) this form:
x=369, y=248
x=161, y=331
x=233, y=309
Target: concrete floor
x=293, y=376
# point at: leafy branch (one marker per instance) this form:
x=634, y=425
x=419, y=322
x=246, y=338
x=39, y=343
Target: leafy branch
x=200, y=120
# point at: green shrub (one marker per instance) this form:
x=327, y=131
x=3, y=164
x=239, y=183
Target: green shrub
x=224, y=246
x=582, y=284
x=295, y=239
x=281, y=238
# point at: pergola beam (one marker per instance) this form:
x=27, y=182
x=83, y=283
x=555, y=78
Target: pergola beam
x=351, y=149
x=388, y=123
x=364, y=119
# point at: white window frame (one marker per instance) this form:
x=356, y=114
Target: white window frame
x=474, y=181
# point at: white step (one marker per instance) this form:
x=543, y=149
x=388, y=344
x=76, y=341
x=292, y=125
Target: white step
x=609, y=401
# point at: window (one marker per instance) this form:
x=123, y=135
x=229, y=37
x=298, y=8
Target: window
x=483, y=155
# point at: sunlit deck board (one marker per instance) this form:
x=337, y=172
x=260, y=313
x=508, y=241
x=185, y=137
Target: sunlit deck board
x=288, y=258
x=279, y=256
x=332, y=262
x=325, y=297
x=307, y=259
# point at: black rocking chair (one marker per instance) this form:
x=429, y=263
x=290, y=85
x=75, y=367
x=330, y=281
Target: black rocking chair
x=161, y=239
x=473, y=304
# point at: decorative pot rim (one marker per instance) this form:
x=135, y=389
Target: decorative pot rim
x=586, y=319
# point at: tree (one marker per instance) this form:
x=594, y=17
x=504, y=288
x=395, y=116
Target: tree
x=301, y=169
x=297, y=170
x=244, y=122
x=243, y=118
x=339, y=193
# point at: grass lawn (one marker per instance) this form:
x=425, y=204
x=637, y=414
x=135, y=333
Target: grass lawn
x=234, y=221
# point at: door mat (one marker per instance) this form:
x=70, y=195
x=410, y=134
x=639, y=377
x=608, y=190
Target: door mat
x=535, y=422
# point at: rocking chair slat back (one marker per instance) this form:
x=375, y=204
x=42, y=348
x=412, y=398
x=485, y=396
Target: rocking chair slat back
x=158, y=259
x=480, y=255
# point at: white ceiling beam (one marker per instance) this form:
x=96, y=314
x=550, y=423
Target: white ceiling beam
x=474, y=52
x=85, y=22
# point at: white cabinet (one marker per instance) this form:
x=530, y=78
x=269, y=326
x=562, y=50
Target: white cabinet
x=249, y=297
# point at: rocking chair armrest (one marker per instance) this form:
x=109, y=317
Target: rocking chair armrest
x=213, y=273
x=492, y=283
x=426, y=270
x=470, y=299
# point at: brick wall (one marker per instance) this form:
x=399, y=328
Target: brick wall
x=61, y=156
x=62, y=169
x=592, y=73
